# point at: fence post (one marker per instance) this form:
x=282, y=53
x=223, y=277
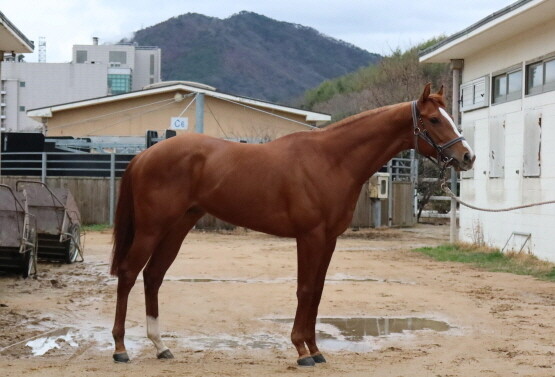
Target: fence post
x=112, y=193
x=453, y=234
x=43, y=168
x=457, y=66
x=390, y=194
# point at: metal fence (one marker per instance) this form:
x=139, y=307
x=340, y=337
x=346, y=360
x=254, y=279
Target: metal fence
x=70, y=165
x=48, y=164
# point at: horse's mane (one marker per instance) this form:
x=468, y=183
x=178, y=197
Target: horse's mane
x=436, y=98
x=355, y=117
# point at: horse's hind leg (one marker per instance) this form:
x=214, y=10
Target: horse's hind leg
x=154, y=275
x=137, y=256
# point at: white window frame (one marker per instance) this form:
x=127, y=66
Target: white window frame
x=544, y=87
x=508, y=96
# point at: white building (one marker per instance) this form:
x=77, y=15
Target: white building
x=96, y=71
x=12, y=42
x=130, y=67
x=33, y=85
x=507, y=105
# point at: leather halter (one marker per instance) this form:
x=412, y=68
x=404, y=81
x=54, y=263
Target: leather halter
x=421, y=132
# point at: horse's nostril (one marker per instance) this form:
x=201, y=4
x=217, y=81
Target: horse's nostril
x=467, y=157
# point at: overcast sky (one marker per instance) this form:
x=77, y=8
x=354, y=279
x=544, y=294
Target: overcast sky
x=374, y=25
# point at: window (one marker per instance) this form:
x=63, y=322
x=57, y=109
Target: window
x=117, y=57
x=475, y=94
x=21, y=108
x=540, y=76
x=80, y=56
x=152, y=64
x=507, y=86
x=119, y=84
x=22, y=84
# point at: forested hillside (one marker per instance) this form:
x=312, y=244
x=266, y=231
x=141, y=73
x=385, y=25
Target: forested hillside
x=250, y=54
x=398, y=77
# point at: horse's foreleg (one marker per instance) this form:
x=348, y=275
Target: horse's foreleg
x=314, y=253
x=136, y=258
x=154, y=275
x=327, y=253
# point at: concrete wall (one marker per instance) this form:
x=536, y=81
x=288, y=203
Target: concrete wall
x=512, y=189
x=138, y=59
x=34, y=85
x=142, y=74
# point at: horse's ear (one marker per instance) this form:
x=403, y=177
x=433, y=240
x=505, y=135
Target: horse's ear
x=425, y=93
x=440, y=91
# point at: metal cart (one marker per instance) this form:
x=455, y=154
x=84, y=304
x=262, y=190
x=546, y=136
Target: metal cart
x=18, y=237
x=58, y=221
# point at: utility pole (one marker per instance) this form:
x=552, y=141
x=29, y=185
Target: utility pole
x=457, y=66
x=199, y=108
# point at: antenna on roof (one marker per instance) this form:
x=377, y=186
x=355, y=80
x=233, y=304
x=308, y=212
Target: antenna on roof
x=42, y=49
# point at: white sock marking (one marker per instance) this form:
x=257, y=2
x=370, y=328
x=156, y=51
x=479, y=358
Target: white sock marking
x=153, y=333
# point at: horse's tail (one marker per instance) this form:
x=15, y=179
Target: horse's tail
x=124, y=223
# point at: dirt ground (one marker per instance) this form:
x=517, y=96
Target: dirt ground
x=500, y=324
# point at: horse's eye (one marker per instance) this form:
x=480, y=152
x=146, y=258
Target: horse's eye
x=434, y=120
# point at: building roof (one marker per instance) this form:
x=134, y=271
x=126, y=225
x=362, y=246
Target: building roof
x=508, y=22
x=47, y=112
x=11, y=39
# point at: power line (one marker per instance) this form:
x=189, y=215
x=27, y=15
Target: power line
x=267, y=112
x=109, y=114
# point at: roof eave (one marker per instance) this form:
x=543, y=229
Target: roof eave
x=446, y=50
x=26, y=46
x=310, y=116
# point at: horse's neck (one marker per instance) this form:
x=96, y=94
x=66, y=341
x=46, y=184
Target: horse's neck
x=364, y=143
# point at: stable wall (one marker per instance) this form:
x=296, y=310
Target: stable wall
x=513, y=188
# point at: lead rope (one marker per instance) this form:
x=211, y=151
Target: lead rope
x=442, y=164
x=450, y=193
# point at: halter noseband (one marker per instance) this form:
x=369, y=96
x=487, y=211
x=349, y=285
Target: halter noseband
x=421, y=132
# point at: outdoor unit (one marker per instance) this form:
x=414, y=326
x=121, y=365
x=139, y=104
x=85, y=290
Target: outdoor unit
x=378, y=187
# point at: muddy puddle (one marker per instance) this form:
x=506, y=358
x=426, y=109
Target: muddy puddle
x=334, y=334
x=338, y=278
x=363, y=334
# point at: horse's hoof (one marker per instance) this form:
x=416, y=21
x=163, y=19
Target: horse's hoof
x=121, y=357
x=306, y=361
x=165, y=355
x=318, y=358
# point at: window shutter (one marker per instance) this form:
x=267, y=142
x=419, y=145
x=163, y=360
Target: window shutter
x=532, y=144
x=475, y=94
x=497, y=147
x=468, y=133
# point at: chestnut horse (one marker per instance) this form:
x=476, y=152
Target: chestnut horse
x=304, y=185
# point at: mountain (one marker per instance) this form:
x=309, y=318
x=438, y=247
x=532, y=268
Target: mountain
x=398, y=77
x=250, y=54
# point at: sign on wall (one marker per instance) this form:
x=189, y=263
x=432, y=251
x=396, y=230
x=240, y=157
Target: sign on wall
x=179, y=123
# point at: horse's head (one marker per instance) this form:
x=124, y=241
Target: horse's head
x=436, y=135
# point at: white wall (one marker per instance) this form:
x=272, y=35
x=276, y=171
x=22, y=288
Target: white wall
x=138, y=59
x=48, y=84
x=513, y=189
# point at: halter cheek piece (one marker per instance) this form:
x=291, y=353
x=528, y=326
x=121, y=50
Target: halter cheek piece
x=421, y=132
